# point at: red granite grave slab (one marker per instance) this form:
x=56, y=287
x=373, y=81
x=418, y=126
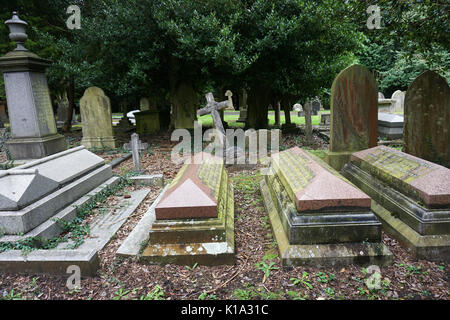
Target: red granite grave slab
x=325, y=189
x=431, y=181
x=189, y=197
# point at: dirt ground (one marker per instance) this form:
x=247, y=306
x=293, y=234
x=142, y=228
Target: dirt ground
x=256, y=254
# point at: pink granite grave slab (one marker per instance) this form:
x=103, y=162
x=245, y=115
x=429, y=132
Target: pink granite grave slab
x=325, y=189
x=431, y=181
x=189, y=197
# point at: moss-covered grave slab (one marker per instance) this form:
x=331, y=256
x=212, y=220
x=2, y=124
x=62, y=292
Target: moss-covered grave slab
x=317, y=216
x=414, y=192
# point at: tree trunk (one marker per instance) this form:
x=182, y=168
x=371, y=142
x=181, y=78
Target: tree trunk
x=258, y=103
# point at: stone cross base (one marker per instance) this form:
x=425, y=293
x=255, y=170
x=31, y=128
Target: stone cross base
x=35, y=148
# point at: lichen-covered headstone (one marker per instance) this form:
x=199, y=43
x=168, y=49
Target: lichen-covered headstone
x=95, y=109
x=354, y=111
x=427, y=118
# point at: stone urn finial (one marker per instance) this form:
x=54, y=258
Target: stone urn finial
x=17, y=30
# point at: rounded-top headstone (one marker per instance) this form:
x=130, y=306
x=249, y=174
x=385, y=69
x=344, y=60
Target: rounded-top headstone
x=95, y=109
x=427, y=118
x=354, y=110
x=380, y=96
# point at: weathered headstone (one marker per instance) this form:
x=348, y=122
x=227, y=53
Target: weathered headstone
x=242, y=107
x=298, y=107
x=317, y=217
x=229, y=95
x=63, y=108
x=184, y=102
x=316, y=105
x=427, y=118
x=95, y=109
x=194, y=218
x=398, y=102
x=324, y=119
x=390, y=125
x=33, y=126
x=135, y=146
x=144, y=104
x=147, y=122
x=354, y=111
x=412, y=197
x=380, y=96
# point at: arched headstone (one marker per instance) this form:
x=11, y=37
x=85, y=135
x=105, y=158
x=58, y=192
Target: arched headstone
x=354, y=114
x=95, y=109
x=427, y=118
x=398, y=101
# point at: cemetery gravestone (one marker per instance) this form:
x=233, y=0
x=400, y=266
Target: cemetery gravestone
x=317, y=217
x=194, y=217
x=316, y=105
x=95, y=109
x=229, y=95
x=243, y=107
x=145, y=105
x=32, y=122
x=427, y=118
x=135, y=146
x=324, y=119
x=63, y=108
x=411, y=197
x=147, y=122
x=398, y=102
x=353, y=119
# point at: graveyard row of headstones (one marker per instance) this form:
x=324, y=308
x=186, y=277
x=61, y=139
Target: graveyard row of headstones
x=317, y=216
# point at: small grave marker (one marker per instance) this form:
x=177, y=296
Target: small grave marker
x=135, y=146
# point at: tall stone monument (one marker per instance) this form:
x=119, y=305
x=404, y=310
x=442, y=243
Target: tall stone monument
x=354, y=111
x=95, y=109
x=427, y=118
x=33, y=126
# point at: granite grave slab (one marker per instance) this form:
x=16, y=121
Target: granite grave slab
x=412, y=197
x=317, y=216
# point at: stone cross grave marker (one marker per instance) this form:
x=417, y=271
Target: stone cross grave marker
x=135, y=146
x=229, y=95
x=213, y=108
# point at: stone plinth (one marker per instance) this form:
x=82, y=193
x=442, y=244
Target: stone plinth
x=412, y=197
x=390, y=126
x=147, y=122
x=95, y=109
x=353, y=119
x=427, y=118
x=33, y=193
x=317, y=216
x=33, y=126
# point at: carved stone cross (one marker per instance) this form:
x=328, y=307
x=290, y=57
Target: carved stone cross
x=135, y=146
x=213, y=108
x=229, y=95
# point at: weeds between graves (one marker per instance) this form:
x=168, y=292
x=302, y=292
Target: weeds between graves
x=73, y=230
